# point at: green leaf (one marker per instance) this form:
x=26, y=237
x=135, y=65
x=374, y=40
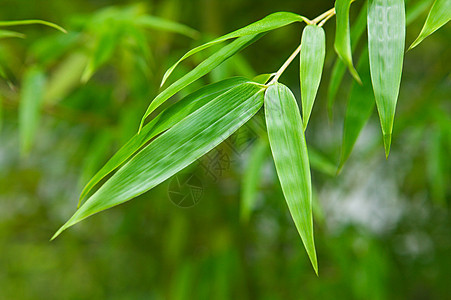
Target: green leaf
x=102, y=52
x=358, y=111
x=313, y=52
x=415, y=10
x=342, y=43
x=268, y=23
x=165, y=120
x=166, y=25
x=339, y=67
x=175, y=149
x=31, y=96
x=251, y=178
x=289, y=151
x=386, y=39
x=203, y=68
x=9, y=33
x=321, y=163
x=32, y=22
x=438, y=16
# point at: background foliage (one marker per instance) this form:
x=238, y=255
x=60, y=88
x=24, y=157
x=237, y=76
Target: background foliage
x=382, y=228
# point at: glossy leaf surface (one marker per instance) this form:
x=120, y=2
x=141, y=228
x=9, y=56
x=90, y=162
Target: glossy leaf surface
x=289, y=151
x=313, y=52
x=268, y=23
x=165, y=120
x=203, y=68
x=386, y=39
x=439, y=15
x=175, y=149
x=342, y=43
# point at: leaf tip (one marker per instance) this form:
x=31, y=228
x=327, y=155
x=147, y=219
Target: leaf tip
x=387, y=144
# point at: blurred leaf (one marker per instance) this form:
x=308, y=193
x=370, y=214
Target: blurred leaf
x=65, y=77
x=174, y=150
x=313, y=51
x=320, y=162
x=252, y=177
x=32, y=22
x=268, y=23
x=339, y=67
x=163, y=24
x=414, y=11
x=31, y=95
x=386, y=39
x=102, y=52
x=358, y=111
x=289, y=150
x=203, y=68
x=8, y=33
x=438, y=164
x=165, y=120
x=342, y=43
x=438, y=16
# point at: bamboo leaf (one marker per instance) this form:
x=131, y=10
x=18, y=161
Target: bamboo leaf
x=163, y=24
x=32, y=22
x=268, y=23
x=165, y=120
x=339, y=67
x=31, y=96
x=386, y=39
x=251, y=178
x=358, y=111
x=203, y=68
x=9, y=33
x=289, y=151
x=175, y=149
x=320, y=162
x=313, y=52
x=342, y=43
x=439, y=15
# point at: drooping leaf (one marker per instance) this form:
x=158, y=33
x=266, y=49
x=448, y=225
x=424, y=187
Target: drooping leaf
x=342, y=43
x=313, y=52
x=439, y=15
x=320, y=162
x=175, y=149
x=9, y=33
x=31, y=96
x=32, y=22
x=358, y=111
x=251, y=178
x=289, y=151
x=203, y=68
x=167, y=25
x=268, y=23
x=165, y=120
x=386, y=39
x=339, y=68
x=102, y=52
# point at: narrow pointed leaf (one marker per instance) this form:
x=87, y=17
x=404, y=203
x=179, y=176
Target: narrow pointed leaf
x=321, y=163
x=162, y=24
x=342, y=43
x=289, y=151
x=203, y=68
x=251, y=178
x=386, y=39
x=31, y=95
x=313, y=52
x=268, y=23
x=165, y=120
x=358, y=111
x=32, y=22
x=439, y=15
x=339, y=68
x=9, y=33
x=175, y=149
